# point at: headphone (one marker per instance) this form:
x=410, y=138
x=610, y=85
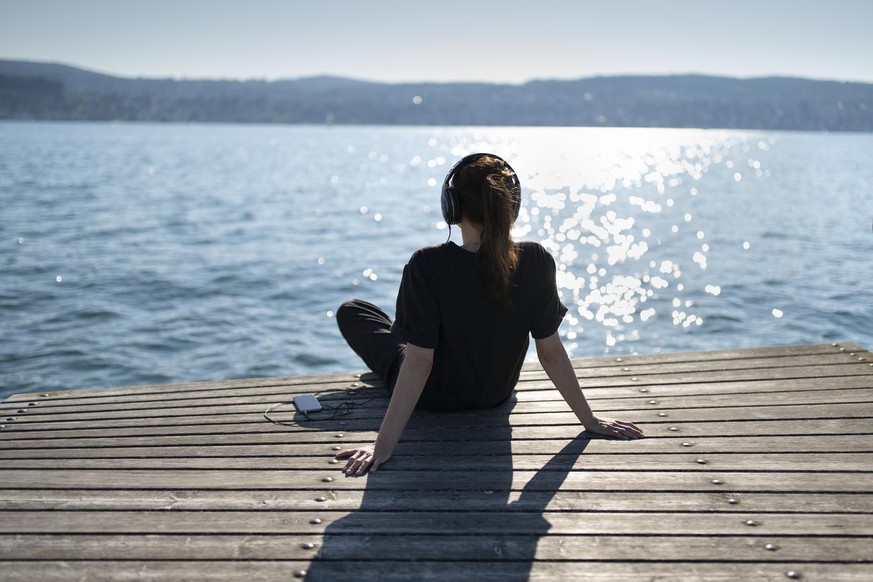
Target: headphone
x=450, y=202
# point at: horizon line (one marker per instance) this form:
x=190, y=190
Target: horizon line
x=428, y=82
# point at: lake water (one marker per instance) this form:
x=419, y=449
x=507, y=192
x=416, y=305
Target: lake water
x=134, y=253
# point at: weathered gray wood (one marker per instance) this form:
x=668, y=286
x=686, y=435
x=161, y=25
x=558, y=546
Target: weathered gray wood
x=848, y=369
x=852, y=420
x=763, y=462
x=820, y=363
x=386, y=522
x=534, y=382
x=497, y=571
x=336, y=380
x=545, y=391
x=340, y=381
x=286, y=435
x=420, y=547
x=691, y=480
x=190, y=482
x=413, y=500
x=528, y=392
x=255, y=421
x=78, y=417
x=475, y=448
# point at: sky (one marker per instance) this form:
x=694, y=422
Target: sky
x=506, y=41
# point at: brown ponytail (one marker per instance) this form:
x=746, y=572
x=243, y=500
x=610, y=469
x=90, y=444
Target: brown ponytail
x=485, y=191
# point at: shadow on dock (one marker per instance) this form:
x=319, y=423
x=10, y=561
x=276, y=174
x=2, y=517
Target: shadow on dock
x=470, y=522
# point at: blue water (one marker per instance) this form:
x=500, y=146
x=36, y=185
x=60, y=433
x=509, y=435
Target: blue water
x=134, y=254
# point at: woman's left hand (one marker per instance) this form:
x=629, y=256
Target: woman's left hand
x=363, y=459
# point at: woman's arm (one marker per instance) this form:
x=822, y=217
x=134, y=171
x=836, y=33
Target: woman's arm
x=414, y=371
x=557, y=365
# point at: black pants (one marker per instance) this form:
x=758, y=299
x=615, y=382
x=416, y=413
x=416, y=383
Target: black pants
x=367, y=329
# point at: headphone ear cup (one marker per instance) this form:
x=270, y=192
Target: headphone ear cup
x=450, y=205
x=516, y=195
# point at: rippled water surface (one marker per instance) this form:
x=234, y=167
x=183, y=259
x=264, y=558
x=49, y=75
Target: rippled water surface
x=136, y=254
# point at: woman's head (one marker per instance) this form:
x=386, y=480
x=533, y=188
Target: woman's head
x=487, y=194
x=466, y=180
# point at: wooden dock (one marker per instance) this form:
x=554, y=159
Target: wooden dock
x=757, y=466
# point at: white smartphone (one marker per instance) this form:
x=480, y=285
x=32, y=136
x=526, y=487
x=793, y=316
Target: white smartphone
x=306, y=403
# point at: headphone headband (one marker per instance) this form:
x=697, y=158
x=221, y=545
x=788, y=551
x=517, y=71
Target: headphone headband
x=450, y=202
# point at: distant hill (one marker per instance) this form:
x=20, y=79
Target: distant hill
x=30, y=90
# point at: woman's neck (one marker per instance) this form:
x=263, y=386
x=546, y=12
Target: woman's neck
x=471, y=235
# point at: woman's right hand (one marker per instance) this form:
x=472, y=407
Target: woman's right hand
x=363, y=459
x=617, y=428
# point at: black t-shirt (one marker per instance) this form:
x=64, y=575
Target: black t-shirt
x=479, y=347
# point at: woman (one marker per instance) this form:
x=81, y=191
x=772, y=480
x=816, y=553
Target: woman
x=464, y=314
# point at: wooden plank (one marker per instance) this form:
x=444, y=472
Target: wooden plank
x=419, y=547
x=765, y=462
x=837, y=482
x=61, y=417
x=819, y=362
x=343, y=379
x=769, y=352
x=528, y=392
x=284, y=435
x=848, y=369
x=473, y=448
x=694, y=390
x=432, y=523
x=497, y=571
x=24, y=416
x=699, y=358
x=531, y=382
x=255, y=422
x=138, y=482
x=442, y=423
x=413, y=500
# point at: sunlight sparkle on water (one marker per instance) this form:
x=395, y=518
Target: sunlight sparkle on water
x=606, y=211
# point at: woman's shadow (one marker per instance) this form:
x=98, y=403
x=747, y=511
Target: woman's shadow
x=449, y=497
